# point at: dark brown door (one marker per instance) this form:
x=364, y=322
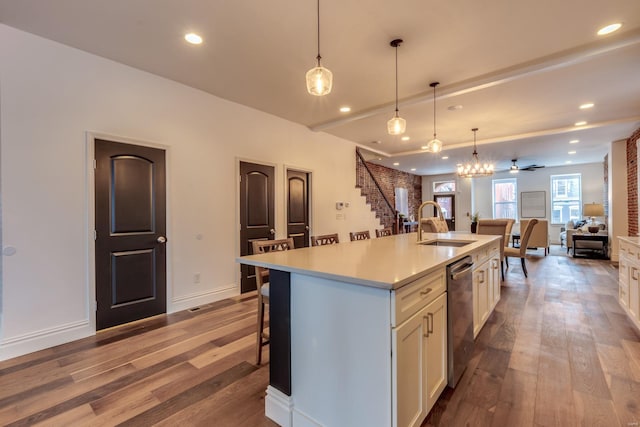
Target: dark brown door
x=298, y=207
x=130, y=233
x=448, y=205
x=256, y=213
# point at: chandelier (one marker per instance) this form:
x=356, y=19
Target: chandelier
x=475, y=169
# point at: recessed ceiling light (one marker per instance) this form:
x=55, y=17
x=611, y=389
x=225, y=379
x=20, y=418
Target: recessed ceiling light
x=572, y=152
x=445, y=157
x=580, y=123
x=574, y=141
x=454, y=107
x=568, y=162
x=609, y=29
x=406, y=138
x=396, y=164
x=376, y=142
x=345, y=109
x=586, y=105
x=413, y=169
x=424, y=147
x=193, y=38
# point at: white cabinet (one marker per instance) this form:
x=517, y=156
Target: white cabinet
x=629, y=278
x=420, y=362
x=486, y=286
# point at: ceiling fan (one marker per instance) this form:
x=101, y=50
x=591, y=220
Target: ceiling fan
x=515, y=168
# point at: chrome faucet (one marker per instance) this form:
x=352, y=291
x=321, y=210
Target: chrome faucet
x=440, y=215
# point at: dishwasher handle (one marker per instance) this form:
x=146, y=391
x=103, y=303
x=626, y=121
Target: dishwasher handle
x=461, y=270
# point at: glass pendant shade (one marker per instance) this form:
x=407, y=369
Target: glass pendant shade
x=435, y=146
x=397, y=125
x=319, y=80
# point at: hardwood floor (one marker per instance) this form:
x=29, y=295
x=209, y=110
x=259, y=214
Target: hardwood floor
x=558, y=350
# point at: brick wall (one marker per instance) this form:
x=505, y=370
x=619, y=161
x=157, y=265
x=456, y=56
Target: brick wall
x=632, y=182
x=388, y=179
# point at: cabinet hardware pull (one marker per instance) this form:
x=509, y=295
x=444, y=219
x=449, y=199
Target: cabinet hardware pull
x=430, y=323
x=423, y=293
x=427, y=319
x=634, y=273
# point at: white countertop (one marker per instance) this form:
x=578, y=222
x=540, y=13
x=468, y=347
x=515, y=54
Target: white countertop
x=385, y=262
x=634, y=240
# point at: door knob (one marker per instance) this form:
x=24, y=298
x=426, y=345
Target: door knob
x=272, y=231
x=306, y=227
x=162, y=239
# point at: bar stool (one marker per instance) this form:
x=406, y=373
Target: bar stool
x=359, y=235
x=325, y=239
x=262, y=274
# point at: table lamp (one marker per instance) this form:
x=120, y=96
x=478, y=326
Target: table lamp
x=592, y=210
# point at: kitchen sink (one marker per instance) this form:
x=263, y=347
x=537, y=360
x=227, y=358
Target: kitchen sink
x=446, y=242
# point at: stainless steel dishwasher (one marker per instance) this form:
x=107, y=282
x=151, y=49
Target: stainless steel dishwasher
x=459, y=317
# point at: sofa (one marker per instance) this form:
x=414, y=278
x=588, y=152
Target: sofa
x=580, y=227
x=539, y=235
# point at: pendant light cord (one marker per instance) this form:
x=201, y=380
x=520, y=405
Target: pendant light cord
x=396, y=79
x=434, y=111
x=318, y=57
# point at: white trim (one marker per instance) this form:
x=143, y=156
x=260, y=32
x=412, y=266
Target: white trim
x=90, y=274
x=202, y=298
x=278, y=407
x=45, y=338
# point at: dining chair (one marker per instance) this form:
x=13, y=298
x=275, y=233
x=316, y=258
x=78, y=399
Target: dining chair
x=325, y=239
x=359, y=235
x=496, y=227
x=384, y=232
x=521, y=252
x=262, y=275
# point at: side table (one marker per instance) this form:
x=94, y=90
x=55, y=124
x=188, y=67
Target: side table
x=603, y=238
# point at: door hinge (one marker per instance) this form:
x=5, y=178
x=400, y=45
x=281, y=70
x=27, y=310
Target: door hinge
x=95, y=164
x=95, y=235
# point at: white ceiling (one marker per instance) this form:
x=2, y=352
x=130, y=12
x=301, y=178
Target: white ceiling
x=519, y=69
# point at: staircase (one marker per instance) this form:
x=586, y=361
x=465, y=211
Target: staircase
x=371, y=190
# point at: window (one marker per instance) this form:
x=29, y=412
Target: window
x=505, y=200
x=444, y=187
x=566, y=194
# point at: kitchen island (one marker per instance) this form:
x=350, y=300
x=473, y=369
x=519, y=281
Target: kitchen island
x=358, y=329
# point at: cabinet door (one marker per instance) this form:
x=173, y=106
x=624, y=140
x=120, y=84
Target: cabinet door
x=623, y=283
x=496, y=279
x=410, y=395
x=634, y=292
x=481, y=291
x=436, y=349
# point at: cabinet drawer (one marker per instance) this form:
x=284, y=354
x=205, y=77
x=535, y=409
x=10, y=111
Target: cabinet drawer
x=414, y=296
x=629, y=251
x=488, y=252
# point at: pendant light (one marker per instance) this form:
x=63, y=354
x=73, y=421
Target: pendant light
x=397, y=125
x=319, y=79
x=435, y=145
x=475, y=169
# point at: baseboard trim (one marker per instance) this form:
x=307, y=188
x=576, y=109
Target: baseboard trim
x=278, y=407
x=201, y=298
x=44, y=338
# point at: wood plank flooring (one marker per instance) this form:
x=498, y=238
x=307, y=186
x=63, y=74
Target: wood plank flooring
x=558, y=350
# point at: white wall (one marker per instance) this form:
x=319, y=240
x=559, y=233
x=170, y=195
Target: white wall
x=540, y=180
x=51, y=95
